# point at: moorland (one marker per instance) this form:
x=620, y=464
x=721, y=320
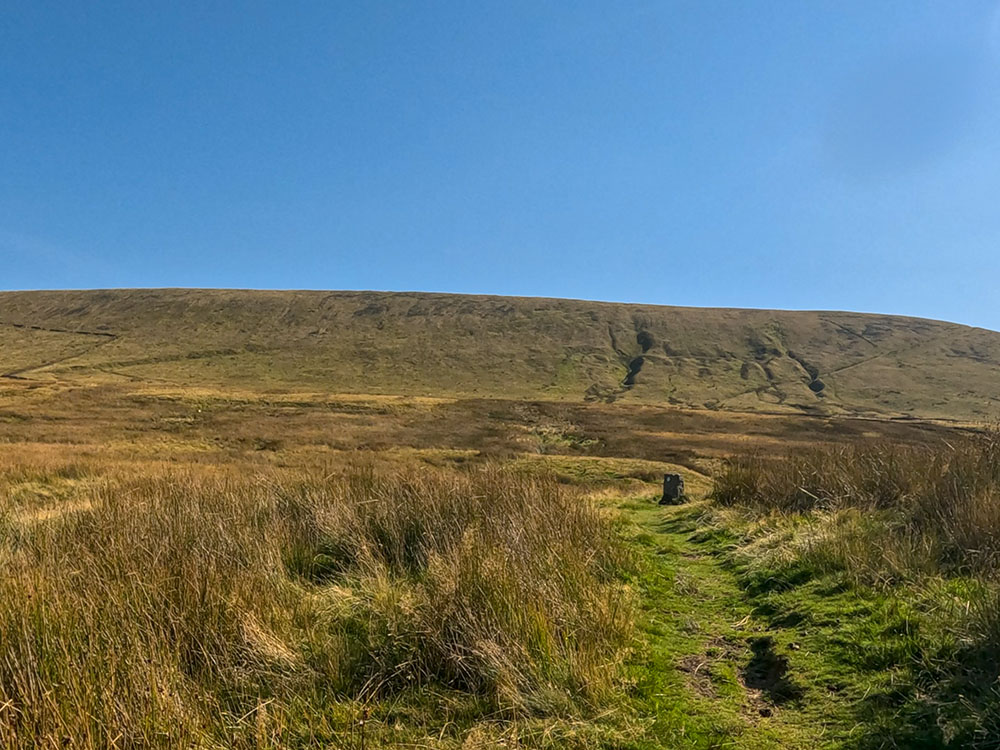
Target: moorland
x=353, y=519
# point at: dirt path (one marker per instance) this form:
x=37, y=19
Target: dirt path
x=713, y=674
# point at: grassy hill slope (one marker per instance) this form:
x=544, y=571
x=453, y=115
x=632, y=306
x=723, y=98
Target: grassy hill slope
x=452, y=345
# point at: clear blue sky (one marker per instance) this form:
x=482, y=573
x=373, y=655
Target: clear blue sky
x=835, y=155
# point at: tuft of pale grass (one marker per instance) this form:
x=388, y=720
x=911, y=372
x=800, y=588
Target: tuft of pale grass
x=929, y=507
x=221, y=611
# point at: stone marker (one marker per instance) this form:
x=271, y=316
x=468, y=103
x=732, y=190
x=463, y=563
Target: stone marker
x=673, y=490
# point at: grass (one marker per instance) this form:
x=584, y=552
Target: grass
x=890, y=511
x=894, y=552
x=217, y=611
x=442, y=607
x=281, y=597
x=510, y=348
x=361, y=520
x=698, y=626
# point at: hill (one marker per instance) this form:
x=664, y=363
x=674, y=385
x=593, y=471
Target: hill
x=823, y=363
x=374, y=520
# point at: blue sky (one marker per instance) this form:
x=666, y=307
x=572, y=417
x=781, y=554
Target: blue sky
x=819, y=155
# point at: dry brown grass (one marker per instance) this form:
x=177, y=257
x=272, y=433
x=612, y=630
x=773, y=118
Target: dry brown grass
x=210, y=609
x=929, y=507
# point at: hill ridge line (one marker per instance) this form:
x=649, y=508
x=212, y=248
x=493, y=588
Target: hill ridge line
x=489, y=346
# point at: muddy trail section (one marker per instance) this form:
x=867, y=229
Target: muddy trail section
x=717, y=669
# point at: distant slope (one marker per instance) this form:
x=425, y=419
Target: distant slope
x=451, y=345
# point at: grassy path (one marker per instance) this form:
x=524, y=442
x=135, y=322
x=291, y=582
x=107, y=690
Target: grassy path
x=713, y=674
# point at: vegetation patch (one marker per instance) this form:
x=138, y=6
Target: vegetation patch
x=202, y=611
x=891, y=553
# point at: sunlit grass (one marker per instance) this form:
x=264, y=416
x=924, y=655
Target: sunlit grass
x=204, y=610
x=918, y=529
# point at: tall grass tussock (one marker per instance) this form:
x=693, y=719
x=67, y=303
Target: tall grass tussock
x=217, y=611
x=936, y=509
x=914, y=525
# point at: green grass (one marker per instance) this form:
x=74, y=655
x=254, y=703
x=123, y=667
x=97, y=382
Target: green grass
x=891, y=658
x=700, y=626
x=857, y=668
x=889, y=556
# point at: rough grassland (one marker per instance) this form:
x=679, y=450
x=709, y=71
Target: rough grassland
x=898, y=549
x=496, y=347
x=192, y=556
x=424, y=607
x=283, y=610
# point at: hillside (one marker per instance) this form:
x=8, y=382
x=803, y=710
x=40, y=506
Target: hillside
x=826, y=363
x=297, y=496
